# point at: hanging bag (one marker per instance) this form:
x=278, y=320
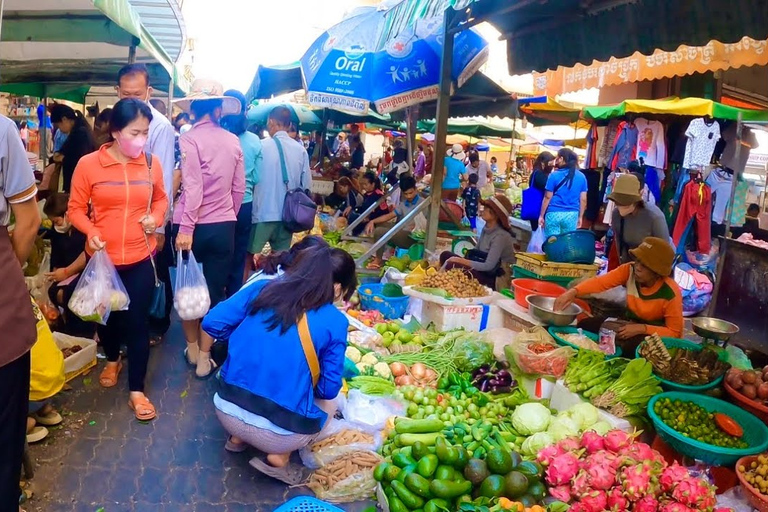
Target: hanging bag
x=190, y=298
x=299, y=209
x=532, y=199
x=99, y=291
x=158, y=305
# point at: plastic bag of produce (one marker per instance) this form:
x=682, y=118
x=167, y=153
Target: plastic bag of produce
x=190, y=296
x=99, y=291
x=346, y=479
x=500, y=337
x=471, y=352
x=370, y=412
x=339, y=438
x=539, y=357
x=537, y=240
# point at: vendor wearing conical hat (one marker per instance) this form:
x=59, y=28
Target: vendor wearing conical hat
x=654, y=301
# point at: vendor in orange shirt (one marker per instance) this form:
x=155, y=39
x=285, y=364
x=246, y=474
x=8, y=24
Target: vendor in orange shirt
x=654, y=301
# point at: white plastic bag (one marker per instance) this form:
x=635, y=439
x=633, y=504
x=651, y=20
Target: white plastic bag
x=99, y=291
x=370, y=412
x=537, y=240
x=190, y=296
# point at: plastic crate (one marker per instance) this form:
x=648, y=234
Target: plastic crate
x=521, y=273
x=755, y=431
x=688, y=345
x=541, y=266
x=307, y=504
x=390, y=307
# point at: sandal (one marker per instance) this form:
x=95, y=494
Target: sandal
x=49, y=420
x=36, y=435
x=210, y=372
x=233, y=447
x=142, y=408
x=191, y=363
x=292, y=474
x=108, y=377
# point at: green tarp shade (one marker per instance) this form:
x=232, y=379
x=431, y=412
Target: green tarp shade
x=694, y=107
x=272, y=81
x=471, y=128
x=73, y=93
x=545, y=34
x=371, y=118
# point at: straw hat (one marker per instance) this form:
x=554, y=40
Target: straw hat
x=457, y=152
x=205, y=89
x=626, y=190
x=656, y=254
x=501, y=207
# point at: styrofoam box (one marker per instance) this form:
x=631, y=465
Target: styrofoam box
x=540, y=388
x=427, y=297
x=76, y=361
x=563, y=398
x=472, y=317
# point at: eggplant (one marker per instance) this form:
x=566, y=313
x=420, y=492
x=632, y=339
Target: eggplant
x=494, y=383
x=503, y=374
x=502, y=389
x=484, y=386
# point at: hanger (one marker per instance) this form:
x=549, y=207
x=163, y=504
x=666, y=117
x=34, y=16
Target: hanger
x=708, y=120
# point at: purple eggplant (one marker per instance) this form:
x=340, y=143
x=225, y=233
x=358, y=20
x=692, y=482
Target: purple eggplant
x=494, y=383
x=484, y=386
x=502, y=389
x=503, y=374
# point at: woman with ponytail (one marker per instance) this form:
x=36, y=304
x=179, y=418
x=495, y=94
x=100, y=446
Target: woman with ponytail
x=80, y=140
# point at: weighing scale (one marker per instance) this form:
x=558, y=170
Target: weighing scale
x=714, y=330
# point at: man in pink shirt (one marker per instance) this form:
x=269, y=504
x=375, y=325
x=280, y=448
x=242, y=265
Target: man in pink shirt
x=213, y=185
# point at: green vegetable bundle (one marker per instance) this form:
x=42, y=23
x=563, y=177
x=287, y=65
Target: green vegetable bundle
x=590, y=373
x=630, y=393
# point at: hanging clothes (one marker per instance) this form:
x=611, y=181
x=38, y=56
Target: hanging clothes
x=653, y=184
x=625, y=146
x=720, y=182
x=606, y=148
x=590, y=161
x=695, y=207
x=738, y=217
x=748, y=143
x=651, y=144
x=702, y=139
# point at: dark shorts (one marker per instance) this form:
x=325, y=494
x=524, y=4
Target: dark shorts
x=275, y=233
x=213, y=246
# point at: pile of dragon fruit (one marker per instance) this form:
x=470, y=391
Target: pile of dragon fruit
x=614, y=472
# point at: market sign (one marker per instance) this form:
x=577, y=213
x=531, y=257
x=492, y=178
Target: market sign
x=686, y=60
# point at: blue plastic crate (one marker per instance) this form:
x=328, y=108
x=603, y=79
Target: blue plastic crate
x=307, y=504
x=391, y=307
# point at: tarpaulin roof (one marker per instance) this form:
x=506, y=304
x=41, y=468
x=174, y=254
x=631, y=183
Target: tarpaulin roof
x=550, y=112
x=545, y=34
x=697, y=107
x=275, y=80
x=81, y=42
x=474, y=127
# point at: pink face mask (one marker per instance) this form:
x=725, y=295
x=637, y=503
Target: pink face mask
x=131, y=148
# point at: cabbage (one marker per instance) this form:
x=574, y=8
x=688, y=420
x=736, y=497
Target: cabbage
x=531, y=418
x=584, y=414
x=562, y=427
x=537, y=442
x=601, y=427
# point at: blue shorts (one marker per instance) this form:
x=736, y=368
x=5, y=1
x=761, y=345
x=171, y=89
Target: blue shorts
x=557, y=223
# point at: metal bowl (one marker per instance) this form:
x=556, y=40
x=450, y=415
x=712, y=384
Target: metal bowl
x=714, y=328
x=543, y=309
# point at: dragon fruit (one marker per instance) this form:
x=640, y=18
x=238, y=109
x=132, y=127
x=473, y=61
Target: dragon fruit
x=674, y=506
x=581, y=485
x=646, y=504
x=562, y=469
x=578, y=507
x=601, y=476
x=694, y=492
x=546, y=455
x=602, y=458
x=635, y=481
x=569, y=444
x=592, y=441
x=617, y=502
x=641, y=452
x=561, y=492
x=595, y=501
x=671, y=476
x=616, y=440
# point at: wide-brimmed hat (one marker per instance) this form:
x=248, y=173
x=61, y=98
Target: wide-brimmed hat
x=655, y=253
x=502, y=207
x=626, y=190
x=205, y=89
x=457, y=152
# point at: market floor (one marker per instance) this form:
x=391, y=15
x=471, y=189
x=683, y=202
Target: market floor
x=102, y=459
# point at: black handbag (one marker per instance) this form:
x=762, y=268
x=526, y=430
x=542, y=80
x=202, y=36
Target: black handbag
x=157, y=308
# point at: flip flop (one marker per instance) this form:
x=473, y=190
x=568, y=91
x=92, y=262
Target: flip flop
x=49, y=420
x=235, y=447
x=292, y=474
x=36, y=435
x=108, y=377
x=186, y=358
x=142, y=408
x=207, y=375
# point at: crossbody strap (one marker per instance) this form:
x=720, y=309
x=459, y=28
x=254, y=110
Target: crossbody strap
x=282, y=161
x=309, y=349
x=149, y=211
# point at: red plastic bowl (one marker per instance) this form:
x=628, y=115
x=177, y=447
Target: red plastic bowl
x=525, y=287
x=754, y=497
x=745, y=403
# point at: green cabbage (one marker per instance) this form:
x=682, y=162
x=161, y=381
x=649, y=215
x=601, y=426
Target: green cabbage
x=537, y=442
x=584, y=414
x=563, y=426
x=531, y=418
x=601, y=427
x=471, y=353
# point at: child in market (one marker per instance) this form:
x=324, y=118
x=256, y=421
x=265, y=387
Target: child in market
x=371, y=185
x=67, y=261
x=471, y=198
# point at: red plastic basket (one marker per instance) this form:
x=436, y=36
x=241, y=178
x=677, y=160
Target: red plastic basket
x=755, y=408
x=754, y=497
x=525, y=287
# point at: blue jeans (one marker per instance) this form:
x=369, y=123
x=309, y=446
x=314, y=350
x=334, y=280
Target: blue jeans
x=557, y=223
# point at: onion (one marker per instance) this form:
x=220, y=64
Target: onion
x=419, y=370
x=762, y=391
x=398, y=369
x=404, y=380
x=430, y=375
x=749, y=377
x=749, y=391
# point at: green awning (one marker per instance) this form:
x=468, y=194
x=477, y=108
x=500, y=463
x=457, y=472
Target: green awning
x=546, y=34
x=474, y=127
x=695, y=107
x=272, y=81
x=73, y=93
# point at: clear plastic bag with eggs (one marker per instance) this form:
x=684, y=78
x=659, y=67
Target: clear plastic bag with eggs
x=190, y=297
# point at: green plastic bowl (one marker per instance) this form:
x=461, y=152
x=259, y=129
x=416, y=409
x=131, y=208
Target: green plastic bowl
x=755, y=431
x=674, y=386
x=556, y=331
